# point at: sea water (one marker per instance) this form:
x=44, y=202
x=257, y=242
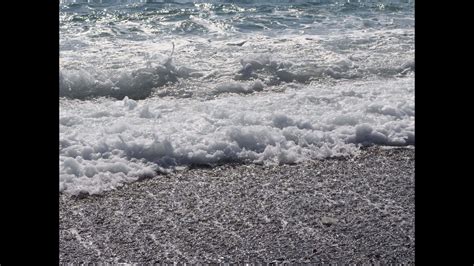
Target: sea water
x=148, y=87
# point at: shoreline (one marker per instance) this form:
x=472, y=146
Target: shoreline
x=358, y=209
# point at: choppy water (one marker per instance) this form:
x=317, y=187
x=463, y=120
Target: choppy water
x=148, y=87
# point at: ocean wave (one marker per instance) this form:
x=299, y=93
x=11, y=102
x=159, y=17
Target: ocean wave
x=134, y=84
x=257, y=72
x=105, y=143
x=271, y=82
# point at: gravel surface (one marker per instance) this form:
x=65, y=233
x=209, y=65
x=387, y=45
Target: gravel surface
x=347, y=210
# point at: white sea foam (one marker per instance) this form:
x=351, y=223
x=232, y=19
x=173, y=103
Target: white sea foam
x=107, y=142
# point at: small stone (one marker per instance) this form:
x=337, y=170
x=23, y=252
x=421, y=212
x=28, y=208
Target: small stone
x=328, y=221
